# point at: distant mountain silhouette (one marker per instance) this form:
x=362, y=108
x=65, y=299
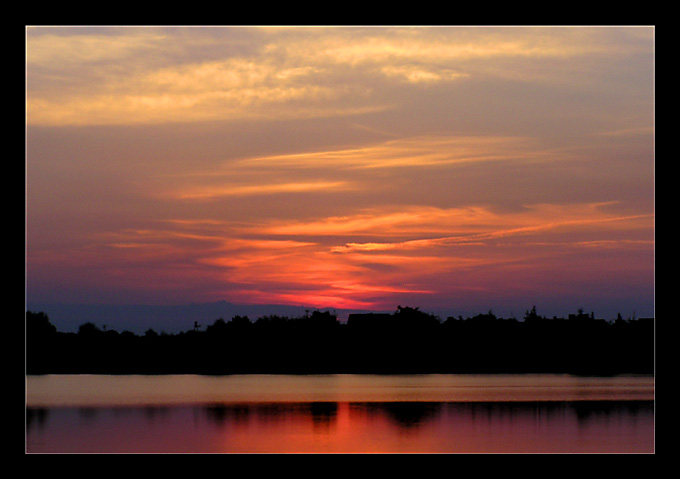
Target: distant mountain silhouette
x=406, y=341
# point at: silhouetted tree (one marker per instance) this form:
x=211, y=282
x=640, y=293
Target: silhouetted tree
x=406, y=341
x=531, y=315
x=219, y=327
x=41, y=343
x=150, y=333
x=240, y=322
x=414, y=318
x=88, y=329
x=38, y=325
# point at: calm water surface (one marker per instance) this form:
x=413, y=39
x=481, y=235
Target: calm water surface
x=339, y=413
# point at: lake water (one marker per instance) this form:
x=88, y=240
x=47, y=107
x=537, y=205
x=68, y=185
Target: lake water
x=339, y=414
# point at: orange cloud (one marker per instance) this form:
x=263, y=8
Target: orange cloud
x=311, y=263
x=209, y=192
x=411, y=152
x=362, y=268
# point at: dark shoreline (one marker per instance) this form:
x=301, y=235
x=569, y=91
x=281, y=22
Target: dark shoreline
x=406, y=342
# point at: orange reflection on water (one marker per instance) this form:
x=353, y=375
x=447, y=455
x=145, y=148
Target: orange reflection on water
x=438, y=428
x=339, y=414
x=346, y=427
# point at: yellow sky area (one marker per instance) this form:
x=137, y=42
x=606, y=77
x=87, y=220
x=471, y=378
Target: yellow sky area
x=135, y=77
x=436, y=45
x=160, y=108
x=230, y=89
x=58, y=48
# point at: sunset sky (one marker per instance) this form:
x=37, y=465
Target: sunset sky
x=458, y=169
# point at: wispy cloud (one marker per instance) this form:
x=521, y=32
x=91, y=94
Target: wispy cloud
x=208, y=192
x=137, y=76
x=542, y=225
x=412, y=152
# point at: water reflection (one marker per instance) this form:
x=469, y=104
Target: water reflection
x=322, y=416
x=406, y=415
x=36, y=417
x=582, y=426
x=101, y=390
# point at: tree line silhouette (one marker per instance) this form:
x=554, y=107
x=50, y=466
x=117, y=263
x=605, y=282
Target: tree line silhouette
x=408, y=341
